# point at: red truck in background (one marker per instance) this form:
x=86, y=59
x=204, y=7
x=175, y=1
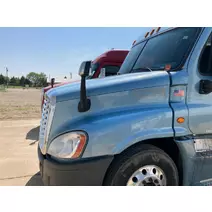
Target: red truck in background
x=110, y=61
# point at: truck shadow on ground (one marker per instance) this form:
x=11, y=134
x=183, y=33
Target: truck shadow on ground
x=35, y=180
x=33, y=135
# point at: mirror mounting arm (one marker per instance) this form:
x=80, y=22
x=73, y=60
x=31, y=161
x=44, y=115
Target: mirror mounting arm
x=85, y=103
x=52, y=82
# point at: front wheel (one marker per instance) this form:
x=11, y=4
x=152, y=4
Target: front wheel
x=143, y=166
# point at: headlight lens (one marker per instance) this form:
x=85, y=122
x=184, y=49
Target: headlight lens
x=69, y=145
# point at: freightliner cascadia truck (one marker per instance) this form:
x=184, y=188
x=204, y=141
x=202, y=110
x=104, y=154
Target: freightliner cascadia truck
x=151, y=125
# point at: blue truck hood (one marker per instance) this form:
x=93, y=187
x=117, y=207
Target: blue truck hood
x=111, y=85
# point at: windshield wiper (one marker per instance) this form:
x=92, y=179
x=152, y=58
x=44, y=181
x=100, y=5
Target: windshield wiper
x=149, y=69
x=144, y=68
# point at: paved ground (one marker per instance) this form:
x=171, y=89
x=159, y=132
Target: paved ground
x=18, y=153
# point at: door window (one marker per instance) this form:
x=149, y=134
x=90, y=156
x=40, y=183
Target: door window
x=111, y=70
x=205, y=63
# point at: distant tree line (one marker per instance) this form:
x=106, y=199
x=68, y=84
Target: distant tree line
x=32, y=80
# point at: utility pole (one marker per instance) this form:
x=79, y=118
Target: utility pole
x=70, y=75
x=7, y=77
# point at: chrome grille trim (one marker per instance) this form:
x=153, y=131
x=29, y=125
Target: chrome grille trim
x=45, y=124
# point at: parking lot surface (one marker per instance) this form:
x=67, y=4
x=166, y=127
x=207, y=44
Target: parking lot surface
x=18, y=153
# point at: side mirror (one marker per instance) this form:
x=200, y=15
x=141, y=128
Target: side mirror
x=84, y=68
x=52, y=82
x=102, y=73
x=85, y=103
x=205, y=87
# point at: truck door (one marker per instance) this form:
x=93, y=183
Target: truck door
x=200, y=105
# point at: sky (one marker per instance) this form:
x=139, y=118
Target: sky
x=59, y=51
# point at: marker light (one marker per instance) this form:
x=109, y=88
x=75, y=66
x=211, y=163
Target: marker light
x=146, y=35
x=180, y=120
x=151, y=33
x=168, y=67
x=158, y=29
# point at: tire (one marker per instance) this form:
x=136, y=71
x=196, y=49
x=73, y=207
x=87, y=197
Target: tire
x=126, y=164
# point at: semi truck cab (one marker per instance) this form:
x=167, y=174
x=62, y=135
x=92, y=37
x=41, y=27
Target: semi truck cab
x=151, y=125
x=110, y=60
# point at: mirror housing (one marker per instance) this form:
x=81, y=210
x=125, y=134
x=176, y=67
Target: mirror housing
x=52, y=82
x=102, y=73
x=205, y=87
x=84, y=103
x=85, y=68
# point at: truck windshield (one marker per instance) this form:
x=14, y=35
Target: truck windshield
x=165, y=50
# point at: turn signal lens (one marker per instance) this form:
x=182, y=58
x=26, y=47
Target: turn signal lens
x=180, y=120
x=80, y=146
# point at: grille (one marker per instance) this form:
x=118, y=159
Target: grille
x=44, y=124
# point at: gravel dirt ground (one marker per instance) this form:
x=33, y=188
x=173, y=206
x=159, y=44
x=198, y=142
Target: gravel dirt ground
x=19, y=129
x=19, y=104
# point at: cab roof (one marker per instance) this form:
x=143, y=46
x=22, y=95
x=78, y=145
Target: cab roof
x=115, y=55
x=143, y=38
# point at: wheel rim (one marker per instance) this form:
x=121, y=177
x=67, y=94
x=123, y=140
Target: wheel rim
x=149, y=175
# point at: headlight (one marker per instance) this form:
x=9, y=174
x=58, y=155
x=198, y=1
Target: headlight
x=69, y=145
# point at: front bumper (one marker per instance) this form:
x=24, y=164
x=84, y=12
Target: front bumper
x=83, y=172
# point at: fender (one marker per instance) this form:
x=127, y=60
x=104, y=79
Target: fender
x=120, y=118
x=129, y=126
